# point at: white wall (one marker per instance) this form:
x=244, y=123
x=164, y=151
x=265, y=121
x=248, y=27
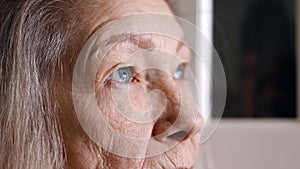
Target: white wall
x=253, y=144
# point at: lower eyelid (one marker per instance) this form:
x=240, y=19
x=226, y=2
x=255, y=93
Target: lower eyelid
x=123, y=86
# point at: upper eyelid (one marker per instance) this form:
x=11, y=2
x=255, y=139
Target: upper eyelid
x=185, y=65
x=122, y=65
x=113, y=69
x=109, y=72
x=131, y=68
x=117, y=67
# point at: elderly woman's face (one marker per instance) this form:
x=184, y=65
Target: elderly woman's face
x=122, y=76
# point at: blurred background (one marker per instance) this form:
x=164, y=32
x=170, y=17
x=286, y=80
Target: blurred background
x=257, y=42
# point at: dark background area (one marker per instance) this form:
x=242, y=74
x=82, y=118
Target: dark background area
x=255, y=40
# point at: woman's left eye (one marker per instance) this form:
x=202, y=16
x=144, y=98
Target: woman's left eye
x=180, y=71
x=124, y=75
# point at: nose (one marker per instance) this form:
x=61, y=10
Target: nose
x=178, y=126
x=180, y=120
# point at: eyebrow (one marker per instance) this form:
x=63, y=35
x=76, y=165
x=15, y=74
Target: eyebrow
x=141, y=40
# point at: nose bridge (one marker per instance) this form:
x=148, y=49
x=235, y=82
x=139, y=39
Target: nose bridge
x=164, y=81
x=180, y=120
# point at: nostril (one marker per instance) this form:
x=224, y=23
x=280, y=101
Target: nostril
x=178, y=135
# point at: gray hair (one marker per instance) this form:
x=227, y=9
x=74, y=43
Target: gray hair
x=34, y=35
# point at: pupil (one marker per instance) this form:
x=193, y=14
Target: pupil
x=124, y=75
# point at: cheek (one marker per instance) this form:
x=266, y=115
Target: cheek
x=121, y=104
x=139, y=98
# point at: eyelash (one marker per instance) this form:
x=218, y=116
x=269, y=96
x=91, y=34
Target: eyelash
x=120, y=74
x=123, y=75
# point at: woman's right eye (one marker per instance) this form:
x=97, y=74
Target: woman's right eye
x=123, y=75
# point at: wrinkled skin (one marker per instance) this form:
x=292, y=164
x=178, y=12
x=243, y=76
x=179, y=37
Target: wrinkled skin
x=82, y=152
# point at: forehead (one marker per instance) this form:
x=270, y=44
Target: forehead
x=109, y=11
x=146, y=31
x=105, y=11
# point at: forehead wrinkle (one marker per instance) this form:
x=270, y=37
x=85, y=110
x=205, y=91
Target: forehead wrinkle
x=141, y=41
